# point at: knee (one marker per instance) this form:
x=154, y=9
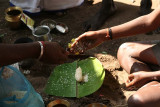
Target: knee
x=135, y=101
x=125, y=50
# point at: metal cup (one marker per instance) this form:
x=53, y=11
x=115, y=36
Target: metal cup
x=42, y=33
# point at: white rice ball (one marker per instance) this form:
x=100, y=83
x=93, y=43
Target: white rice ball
x=78, y=74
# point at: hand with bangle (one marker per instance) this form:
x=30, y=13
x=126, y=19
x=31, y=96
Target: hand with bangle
x=91, y=39
x=52, y=52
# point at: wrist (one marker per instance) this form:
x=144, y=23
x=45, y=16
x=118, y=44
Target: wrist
x=156, y=75
x=109, y=33
x=150, y=76
x=102, y=34
x=105, y=34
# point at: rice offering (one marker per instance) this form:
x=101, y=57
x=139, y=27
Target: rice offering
x=70, y=48
x=80, y=47
x=78, y=74
x=79, y=77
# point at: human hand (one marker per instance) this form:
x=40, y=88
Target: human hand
x=53, y=53
x=86, y=41
x=138, y=79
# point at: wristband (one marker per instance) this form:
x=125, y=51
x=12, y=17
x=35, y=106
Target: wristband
x=109, y=33
x=42, y=49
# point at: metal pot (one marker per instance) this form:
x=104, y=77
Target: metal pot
x=13, y=17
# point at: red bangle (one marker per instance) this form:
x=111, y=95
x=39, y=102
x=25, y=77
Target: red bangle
x=42, y=49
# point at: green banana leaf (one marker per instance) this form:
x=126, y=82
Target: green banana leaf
x=62, y=81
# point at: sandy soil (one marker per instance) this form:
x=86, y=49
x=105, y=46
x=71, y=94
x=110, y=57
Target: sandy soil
x=112, y=92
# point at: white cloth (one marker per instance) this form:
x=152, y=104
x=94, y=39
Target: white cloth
x=34, y=6
x=60, y=4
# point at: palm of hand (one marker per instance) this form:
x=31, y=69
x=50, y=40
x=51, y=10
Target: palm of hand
x=54, y=53
x=87, y=41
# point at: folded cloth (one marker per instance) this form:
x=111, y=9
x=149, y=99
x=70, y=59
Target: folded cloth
x=34, y=6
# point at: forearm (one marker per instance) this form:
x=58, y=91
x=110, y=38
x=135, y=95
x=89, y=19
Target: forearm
x=134, y=27
x=11, y=53
x=131, y=28
x=155, y=75
x=139, y=25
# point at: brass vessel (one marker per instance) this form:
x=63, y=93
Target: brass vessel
x=59, y=103
x=13, y=17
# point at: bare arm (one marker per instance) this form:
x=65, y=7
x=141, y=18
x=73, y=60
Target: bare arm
x=155, y=75
x=142, y=77
x=11, y=53
x=139, y=25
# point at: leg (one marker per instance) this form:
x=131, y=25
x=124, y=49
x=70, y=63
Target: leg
x=134, y=56
x=147, y=96
x=145, y=7
x=139, y=57
x=107, y=9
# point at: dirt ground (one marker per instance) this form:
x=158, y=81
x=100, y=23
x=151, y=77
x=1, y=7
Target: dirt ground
x=113, y=92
